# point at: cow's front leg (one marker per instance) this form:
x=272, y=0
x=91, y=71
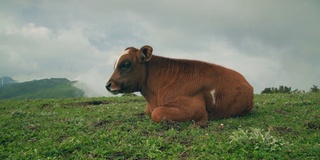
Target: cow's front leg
x=148, y=109
x=181, y=114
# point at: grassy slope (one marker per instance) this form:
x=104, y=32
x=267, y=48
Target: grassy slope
x=44, y=88
x=282, y=126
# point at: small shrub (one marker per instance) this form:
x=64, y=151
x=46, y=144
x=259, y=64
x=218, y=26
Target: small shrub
x=314, y=89
x=256, y=138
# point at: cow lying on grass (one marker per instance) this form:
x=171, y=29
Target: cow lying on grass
x=181, y=90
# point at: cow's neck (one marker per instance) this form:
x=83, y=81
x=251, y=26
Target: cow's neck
x=161, y=73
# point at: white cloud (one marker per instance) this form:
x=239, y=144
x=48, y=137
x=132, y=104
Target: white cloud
x=272, y=42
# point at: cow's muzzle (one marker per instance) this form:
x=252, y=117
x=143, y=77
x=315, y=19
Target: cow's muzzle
x=113, y=87
x=108, y=86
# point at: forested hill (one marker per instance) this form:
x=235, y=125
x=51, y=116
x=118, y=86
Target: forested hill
x=44, y=88
x=6, y=80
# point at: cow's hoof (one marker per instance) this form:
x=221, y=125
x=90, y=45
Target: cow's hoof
x=201, y=124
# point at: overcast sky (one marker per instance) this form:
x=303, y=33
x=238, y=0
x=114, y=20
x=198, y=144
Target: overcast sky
x=271, y=42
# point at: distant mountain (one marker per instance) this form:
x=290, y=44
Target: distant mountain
x=6, y=80
x=44, y=88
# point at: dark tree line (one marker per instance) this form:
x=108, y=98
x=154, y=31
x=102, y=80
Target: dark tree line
x=314, y=89
x=281, y=89
x=285, y=89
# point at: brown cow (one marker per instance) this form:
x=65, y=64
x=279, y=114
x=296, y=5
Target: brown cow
x=181, y=90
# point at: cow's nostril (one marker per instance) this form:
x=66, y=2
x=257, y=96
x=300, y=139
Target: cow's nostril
x=108, y=86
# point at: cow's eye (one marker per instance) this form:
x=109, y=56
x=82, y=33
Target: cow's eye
x=125, y=65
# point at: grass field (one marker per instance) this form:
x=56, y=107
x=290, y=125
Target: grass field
x=281, y=126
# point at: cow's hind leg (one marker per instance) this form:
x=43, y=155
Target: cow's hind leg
x=181, y=113
x=176, y=114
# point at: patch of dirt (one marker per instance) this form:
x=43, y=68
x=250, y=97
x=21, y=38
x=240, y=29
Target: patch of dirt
x=145, y=133
x=282, y=130
x=87, y=103
x=117, y=155
x=33, y=139
x=45, y=105
x=312, y=125
x=141, y=115
x=166, y=125
x=186, y=143
x=33, y=126
x=281, y=111
x=61, y=138
x=94, y=102
x=100, y=123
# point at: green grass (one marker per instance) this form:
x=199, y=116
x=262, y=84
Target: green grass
x=281, y=126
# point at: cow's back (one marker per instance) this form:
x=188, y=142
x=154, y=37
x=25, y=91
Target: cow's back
x=225, y=92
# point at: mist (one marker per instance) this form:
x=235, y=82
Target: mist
x=93, y=83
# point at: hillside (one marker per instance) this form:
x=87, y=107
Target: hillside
x=44, y=88
x=6, y=80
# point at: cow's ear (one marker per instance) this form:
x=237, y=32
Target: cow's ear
x=145, y=53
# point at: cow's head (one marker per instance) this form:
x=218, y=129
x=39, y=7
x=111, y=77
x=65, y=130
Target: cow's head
x=129, y=70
